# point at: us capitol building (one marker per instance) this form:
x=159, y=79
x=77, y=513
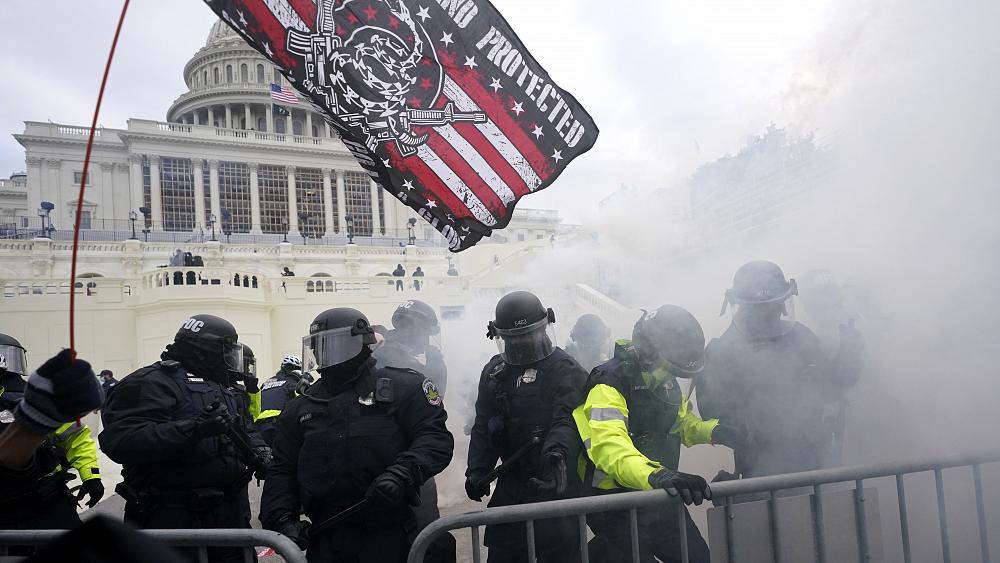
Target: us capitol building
x=251, y=193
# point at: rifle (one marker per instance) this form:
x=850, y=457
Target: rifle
x=241, y=442
x=510, y=461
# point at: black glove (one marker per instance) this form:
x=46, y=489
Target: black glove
x=297, y=531
x=389, y=488
x=476, y=487
x=207, y=424
x=692, y=488
x=93, y=489
x=722, y=476
x=251, y=383
x=58, y=392
x=554, y=471
x=264, y=457
x=731, y=436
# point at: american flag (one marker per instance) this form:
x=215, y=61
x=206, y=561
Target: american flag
x=439, y=102
x=281, y=95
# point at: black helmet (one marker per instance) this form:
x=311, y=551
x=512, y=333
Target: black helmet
x=12, y=356
x=249, y=362
x=524, y=328
x=759, y=281
x=590, y=328
x=417, y=316
x=672, y=336
x=336, y=336
x=213, y=339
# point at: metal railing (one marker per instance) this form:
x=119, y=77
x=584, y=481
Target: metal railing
x=726, y=491
x=199, y=538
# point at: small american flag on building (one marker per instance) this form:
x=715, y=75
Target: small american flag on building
x=281, y=95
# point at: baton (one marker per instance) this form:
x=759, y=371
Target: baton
x=509, y=462
x=317, y=529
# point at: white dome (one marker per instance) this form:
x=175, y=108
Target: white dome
x=220, y=32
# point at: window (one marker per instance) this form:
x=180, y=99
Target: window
x=381, y=210
x=229, y=74
x=177, y=189
x=85, y=217
x=520, y=237
x=77, y=176
x=204, y=78
x=205, y=179
x=146, y=198
x=234, y=195
x=262, y=124
x=309, y=201
x=273, y=183
x=215, y=74
x=277, y=76
x=260, y=74
x=296, y=127
x=244, y=75
x=279, y=125
x=358, y=196
x=315, y=131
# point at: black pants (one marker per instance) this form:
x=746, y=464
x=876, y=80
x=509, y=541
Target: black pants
x=53, y=512
x=219, y=513
x=361, y=544
x=659, y=537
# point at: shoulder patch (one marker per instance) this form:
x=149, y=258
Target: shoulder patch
x=431, y=393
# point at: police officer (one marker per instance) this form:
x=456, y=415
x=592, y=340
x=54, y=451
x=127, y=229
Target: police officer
x=245, y=380
x=276, y=392
x=771, y=376
x=38, y=437
x=414, y=343
x=362, y=436
x=165, y=423
x=633, y=423
x=523, y=416
x=590, y=341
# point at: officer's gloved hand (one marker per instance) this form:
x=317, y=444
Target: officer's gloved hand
x=251, y=383
x=734, y=437
x=296, y=530
x=264, y=458
x=58, y=392
x=389, y=488
x=476, y=487
x=207, y=424
x=93, y=489
x=691, y=488
x=554, y=471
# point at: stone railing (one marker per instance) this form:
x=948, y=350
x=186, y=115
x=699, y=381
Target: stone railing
x=208, y=132
x=198, y=277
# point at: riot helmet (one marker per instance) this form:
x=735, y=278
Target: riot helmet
x=759, y=282
x=208, y=346
x=522, y=329
x=336, y=336
x=590, y=330
x=249, y=362
x=670, y=337
x=415, y=316
x=12, y=356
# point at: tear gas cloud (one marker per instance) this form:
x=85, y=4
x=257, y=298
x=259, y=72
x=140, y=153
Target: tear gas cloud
x=902, y=101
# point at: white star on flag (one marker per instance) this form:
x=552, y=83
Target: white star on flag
x=495, y=84
x=431, y=203
x=422, y=14
x=538, y=131
x=408, y=184
x=518, y=109
x=557, y=156
x=470, y=62
x=242, y=19
x=446, y=39
x=385, y=162
x=267, y=49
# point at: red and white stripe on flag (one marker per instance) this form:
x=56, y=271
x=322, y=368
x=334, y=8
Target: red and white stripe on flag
x=279, y=94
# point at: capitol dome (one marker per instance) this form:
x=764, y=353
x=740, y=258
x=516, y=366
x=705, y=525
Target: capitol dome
x=229, y=87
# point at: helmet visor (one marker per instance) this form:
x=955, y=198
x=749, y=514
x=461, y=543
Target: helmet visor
x=232, y=355
x=250, y=366
x=527, y=346
x=12, y=359
x=330, y=347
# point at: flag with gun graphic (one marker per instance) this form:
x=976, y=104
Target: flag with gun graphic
x=438, y=100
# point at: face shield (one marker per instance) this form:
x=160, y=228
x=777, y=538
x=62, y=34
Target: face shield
x=232, y=356
x=12, y=359
x=332, y=347
x=250, y=366
x=525, y=345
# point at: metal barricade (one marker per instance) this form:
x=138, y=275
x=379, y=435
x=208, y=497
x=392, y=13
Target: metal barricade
x=726, y=491
x=199, y=538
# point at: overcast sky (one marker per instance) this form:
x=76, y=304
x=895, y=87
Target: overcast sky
x=666, y=81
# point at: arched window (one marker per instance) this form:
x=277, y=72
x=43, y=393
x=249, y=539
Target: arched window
x=279, y=126
x=296, y=127
x=260, y=74
x=244, y=75
x=204, y=78
x=315, y=131
x=262, y=124
x=277, y=76
x=215, y=74
x=229, y=74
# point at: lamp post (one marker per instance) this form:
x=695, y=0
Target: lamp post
x=133, y=217
x=410, y=225
x=145, y=222
x=304, y=227
x=350, y=228
x=211, y=223
x=45, y=212
x=284, y=227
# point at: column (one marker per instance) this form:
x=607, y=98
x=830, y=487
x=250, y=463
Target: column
x=269, y=112
x=254, y=200
x=34, y=183
x=135, y=182
x=392, y=226
x=309, y=124
x=341, y=204
x=229, y=117
x=184, y=119
x=198, y=165
x=211, y=117
x=293, y=211
x=155, y=194
x=213, y=189
x=326, y=128
x=327, y=203
x=248, y=117
x=376, y=220
x=106, y=206
x=121, y=189
x=195, y=118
